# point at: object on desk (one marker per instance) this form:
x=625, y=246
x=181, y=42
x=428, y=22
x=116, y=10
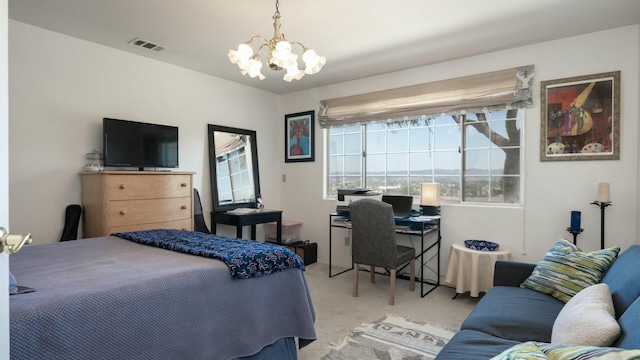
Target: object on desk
x=290, y=231
x=430, y=198
x=481, y=245
x=346, y=196
x=575, y=219
x=242, y=211
x=342, y=193
x=259, y=203
x=401, y=204
x=308, y=251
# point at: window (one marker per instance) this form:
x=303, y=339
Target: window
x=233, y=170
x=475, y=157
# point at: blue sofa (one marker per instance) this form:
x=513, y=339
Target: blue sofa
x=509, y=315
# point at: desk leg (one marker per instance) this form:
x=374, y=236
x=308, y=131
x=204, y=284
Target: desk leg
x=422, y=294
x=330, y=219
x=279, y=231
x=239, y=231
x=436, y=283
x=253, y=232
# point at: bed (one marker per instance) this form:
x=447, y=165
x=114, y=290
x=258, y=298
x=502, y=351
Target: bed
x=111, y=298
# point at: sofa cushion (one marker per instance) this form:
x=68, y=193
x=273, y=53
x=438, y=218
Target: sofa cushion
x=587, y=319
x=515, y=313
x=471, y=344
x=629, y=328
x=622, y=279
x=565, y=270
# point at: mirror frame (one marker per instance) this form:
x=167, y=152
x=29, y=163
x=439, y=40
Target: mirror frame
x=213, y=168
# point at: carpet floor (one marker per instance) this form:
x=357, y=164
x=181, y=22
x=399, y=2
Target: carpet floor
x=338, y=313
x=391, y=338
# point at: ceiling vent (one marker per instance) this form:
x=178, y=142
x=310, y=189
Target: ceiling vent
x=146, y=44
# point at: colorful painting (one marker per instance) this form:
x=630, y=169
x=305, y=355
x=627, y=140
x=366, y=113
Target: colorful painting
x=580, y=118
x=299, y=135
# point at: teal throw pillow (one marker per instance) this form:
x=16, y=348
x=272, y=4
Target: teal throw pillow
x=565, y=270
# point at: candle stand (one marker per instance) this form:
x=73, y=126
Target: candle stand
x=603, y=205
x=575, y=233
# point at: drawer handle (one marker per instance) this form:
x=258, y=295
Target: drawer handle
x=122, y=212
x=183, y=207
x=122, y=187
x=183, y=185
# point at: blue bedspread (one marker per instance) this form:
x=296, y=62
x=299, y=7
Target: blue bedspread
x=245, y=258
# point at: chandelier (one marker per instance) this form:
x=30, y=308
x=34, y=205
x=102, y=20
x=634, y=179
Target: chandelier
x=278, y=53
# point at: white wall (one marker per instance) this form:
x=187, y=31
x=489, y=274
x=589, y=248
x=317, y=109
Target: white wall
x=61, y=87
x=552, y=189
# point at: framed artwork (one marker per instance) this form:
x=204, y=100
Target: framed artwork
x=580, y=118
x=299, y=133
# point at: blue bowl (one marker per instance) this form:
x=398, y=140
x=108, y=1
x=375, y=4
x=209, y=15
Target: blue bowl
x=481, y=245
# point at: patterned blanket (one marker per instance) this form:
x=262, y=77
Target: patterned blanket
x=245, y=258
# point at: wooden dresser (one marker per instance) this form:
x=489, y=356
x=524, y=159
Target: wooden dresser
x=120, y=201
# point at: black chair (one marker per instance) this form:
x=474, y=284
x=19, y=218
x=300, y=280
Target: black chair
x=198, y=216
x=71, y=221
x=374, y=243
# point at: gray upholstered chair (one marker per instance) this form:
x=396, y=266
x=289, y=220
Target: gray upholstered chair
x=374, y=242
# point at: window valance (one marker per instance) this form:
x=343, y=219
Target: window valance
x=228, y=142
x=493, y=91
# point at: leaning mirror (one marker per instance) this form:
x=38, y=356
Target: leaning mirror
x=233, y=162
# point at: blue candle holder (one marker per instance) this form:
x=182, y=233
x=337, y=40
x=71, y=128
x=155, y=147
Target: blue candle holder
x=575, y=233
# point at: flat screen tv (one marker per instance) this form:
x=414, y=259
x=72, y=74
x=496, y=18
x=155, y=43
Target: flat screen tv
x=137, y=144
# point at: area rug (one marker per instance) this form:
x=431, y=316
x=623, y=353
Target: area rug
x=392, y=338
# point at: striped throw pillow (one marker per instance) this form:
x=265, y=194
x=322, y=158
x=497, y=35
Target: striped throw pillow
x=525, y=351
x=565, y=270
x=537, y=351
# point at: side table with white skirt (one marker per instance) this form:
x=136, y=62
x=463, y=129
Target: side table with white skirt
x=472, y=270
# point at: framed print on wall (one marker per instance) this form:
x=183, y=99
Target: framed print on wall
x=580, y=118
x=299, y=135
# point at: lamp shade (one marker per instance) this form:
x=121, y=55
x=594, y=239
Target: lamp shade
x=430, y=194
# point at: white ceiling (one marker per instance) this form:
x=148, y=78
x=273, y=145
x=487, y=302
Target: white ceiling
x=360, y=38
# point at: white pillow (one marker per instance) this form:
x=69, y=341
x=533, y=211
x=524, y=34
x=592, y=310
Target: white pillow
x=587, y=319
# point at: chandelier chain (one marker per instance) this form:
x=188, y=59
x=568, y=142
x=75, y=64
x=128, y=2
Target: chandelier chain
x=277, y=8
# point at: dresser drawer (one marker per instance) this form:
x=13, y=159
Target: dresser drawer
x=177, y=224
x=131, y=212
x=132, y=187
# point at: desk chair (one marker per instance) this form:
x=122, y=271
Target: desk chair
x=374, y=243
x=198, y=216
x=71, y=221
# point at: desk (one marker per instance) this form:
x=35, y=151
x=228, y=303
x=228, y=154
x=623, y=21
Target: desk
x=248, y=218
x=472, y=270
x=425, y=227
